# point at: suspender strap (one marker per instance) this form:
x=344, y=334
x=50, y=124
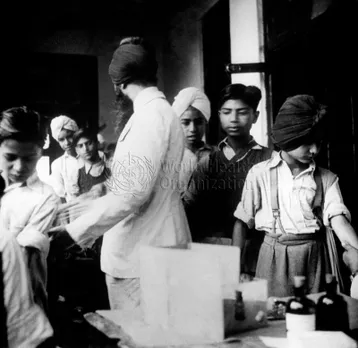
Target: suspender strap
x=274, y=200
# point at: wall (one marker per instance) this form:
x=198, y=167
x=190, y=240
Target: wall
x=182, y=50
x=100, y=43
x=247, y=46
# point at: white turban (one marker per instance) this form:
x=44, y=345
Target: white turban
x=62, y=122
x=192, y=96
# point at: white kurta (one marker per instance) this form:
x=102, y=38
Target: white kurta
x=144, y=207
x=64, y=176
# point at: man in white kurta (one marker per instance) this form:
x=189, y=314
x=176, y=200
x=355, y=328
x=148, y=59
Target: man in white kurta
x=144, y=205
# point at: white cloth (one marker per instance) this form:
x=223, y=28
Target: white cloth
x=296, y=197
x=192, y=96
x=144, y=207
x=27, y=325
x=64, y=176
x=62, y=122
x=28, y=211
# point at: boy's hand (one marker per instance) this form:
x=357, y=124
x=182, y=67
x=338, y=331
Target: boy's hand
x=350, y=258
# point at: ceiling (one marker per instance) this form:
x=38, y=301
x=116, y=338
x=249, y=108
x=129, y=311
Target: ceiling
x=79, y=14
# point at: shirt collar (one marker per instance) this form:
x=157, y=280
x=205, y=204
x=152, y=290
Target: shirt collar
x=277, y=160
x=99, y=165
x=31, y=183
x=223, y=143
x=147, y=95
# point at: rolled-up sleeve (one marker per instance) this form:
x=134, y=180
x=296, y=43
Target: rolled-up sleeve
x=135, y=168
x=250, y=200
x=333, y=203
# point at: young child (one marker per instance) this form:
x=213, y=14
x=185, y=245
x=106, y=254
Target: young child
x=284, y=196
x=94, y=169
x=28, y=206
x=193, y=108
x=64, y=169
x=216, y=184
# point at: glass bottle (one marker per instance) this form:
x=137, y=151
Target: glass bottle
x=300, y=310
x=331, y=309
x=239, y=307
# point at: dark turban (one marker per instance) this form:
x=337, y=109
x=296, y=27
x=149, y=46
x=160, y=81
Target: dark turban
x=296, y=121
x=133, y=60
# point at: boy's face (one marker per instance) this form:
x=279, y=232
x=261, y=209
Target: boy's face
x=305, y=153
x=193, y=124
x=237, y=118
x=310, y=148
x=65, y=139
x=86, y=149
x=18, y=160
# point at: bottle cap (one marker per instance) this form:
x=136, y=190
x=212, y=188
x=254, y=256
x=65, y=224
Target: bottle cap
x=299, y=281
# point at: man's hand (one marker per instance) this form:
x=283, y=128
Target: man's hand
x=350, y=258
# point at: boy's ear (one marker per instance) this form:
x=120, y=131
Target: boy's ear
x=256, y=116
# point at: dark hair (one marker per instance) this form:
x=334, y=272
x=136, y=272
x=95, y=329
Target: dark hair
x=250, y=95
x=85, y=133
x=22, y=124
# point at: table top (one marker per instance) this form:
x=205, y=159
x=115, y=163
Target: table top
x=115, y=324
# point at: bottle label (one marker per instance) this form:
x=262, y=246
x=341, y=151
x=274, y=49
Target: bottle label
x=300, y=322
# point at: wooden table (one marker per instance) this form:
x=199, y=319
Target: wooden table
x=109, y=322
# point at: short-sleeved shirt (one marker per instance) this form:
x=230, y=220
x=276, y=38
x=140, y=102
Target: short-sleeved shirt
x=296, y=198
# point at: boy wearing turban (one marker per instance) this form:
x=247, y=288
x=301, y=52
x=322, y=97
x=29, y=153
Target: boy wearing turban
x=193, y=109
x=290, y=199
x=64, y=170
x=144, y=206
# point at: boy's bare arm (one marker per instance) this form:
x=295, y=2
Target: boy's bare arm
x=344, y=231
x=239, y=234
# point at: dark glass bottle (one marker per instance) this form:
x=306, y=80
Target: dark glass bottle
x=300, y=310
x=239, y=307
x=331, y=310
